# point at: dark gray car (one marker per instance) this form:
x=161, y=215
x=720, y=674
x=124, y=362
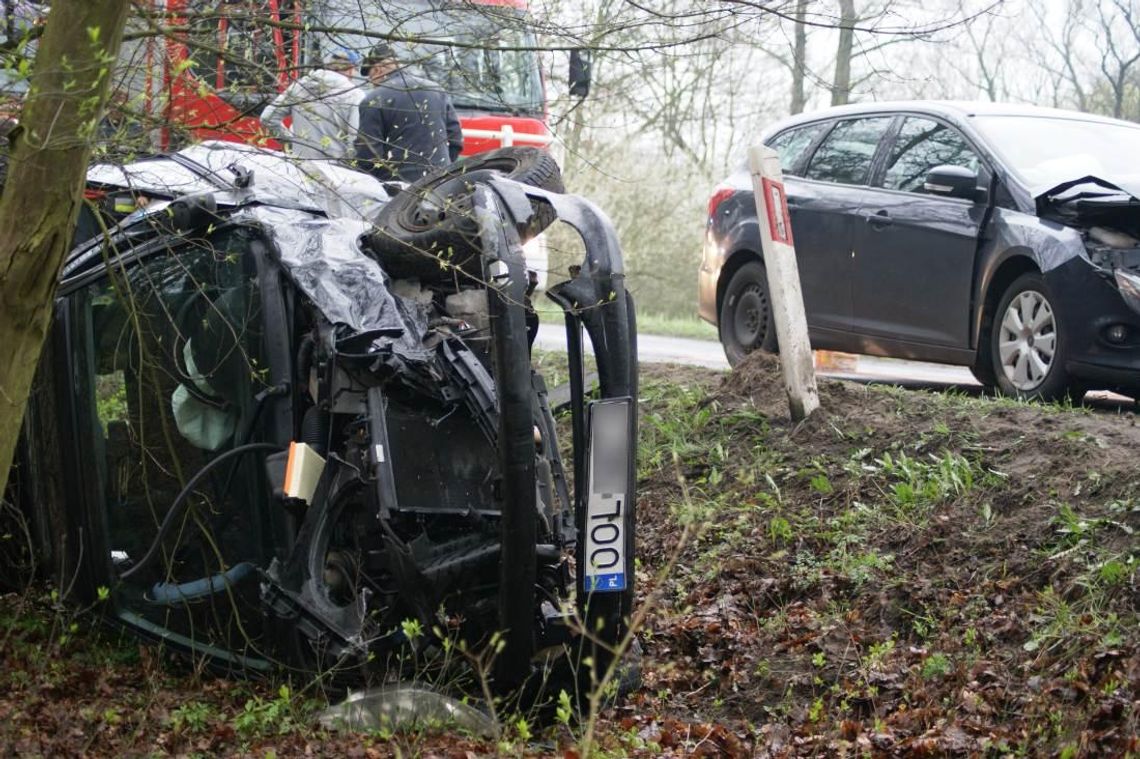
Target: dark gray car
x=999, y=237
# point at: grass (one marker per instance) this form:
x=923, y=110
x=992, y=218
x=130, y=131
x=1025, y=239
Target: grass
x=647, y=323
x=675, y=326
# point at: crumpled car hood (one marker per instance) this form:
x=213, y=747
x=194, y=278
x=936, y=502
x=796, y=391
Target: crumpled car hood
x=1106, y=214
x=1122, y=190
x=324, y=259
x=1092, y=200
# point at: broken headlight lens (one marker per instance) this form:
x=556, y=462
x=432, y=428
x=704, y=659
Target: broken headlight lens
x=1129, y=285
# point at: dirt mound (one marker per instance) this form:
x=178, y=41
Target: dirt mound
x=758, y=376
x=904, y=572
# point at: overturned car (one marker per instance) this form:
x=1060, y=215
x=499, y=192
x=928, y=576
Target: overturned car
x=284, y=410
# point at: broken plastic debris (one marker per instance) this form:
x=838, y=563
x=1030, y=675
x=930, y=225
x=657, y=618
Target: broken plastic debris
x=405, y=707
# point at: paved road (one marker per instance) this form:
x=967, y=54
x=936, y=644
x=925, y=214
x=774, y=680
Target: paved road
x=657, y=349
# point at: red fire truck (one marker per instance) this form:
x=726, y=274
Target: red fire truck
x=227, y=58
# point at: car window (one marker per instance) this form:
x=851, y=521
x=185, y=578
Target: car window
x=921, y=145
x=792, y=144
x=845, y=154
x=169, y=374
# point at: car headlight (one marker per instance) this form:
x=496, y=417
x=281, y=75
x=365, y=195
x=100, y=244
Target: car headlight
x=536, y=253
x=1129, y=285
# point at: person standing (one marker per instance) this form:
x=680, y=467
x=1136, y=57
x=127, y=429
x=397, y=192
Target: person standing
x=407, y=124
x=324, y=105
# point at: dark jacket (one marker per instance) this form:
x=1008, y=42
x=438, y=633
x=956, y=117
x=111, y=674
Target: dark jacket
x=407, y=126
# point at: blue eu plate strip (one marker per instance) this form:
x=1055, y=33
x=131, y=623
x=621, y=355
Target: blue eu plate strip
x=604, y=583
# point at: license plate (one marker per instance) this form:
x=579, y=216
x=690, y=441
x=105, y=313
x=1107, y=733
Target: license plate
x=606, y=567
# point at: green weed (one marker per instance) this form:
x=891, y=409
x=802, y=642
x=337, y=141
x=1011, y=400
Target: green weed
x=918, y=484
x=192, y=717
x=936, y=665
x=822, y=485
x=277, y=716
x=780, y=530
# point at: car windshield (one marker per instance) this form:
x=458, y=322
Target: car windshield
x=484, y=56
x=1045, y=151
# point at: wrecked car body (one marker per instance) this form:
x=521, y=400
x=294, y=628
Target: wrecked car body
x=286, y=435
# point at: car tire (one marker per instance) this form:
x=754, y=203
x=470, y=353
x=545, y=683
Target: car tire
x=1027, y=344
x=746, y=322
x=429, y=226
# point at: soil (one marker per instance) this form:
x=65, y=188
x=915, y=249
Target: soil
x=997, y=618
x=902, y=574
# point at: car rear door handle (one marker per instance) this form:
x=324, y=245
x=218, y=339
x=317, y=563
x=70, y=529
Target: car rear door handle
x=879, y=219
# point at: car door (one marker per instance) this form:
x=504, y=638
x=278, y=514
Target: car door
x=913, y=260
x=824, y=206
x=165, y=354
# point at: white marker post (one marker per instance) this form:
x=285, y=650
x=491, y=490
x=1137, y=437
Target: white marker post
x=783, y=281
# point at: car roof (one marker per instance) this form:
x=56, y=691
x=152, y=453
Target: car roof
x=957, y=110
x=237, y=176
x=274, y=179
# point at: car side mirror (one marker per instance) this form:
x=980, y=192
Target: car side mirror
x=189, y=212
x=580, y=65
x=954, y=182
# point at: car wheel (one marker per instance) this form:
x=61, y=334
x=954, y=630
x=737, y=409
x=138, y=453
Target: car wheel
x=1026, y=343
x=431, y=221
x=746, y=314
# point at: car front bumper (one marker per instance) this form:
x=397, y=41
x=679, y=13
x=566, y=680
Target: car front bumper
x=1089, y=304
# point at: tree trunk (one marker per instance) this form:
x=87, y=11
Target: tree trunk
x=39, y=481
x=799, y=57
x=49, y=153
x=841, y=84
